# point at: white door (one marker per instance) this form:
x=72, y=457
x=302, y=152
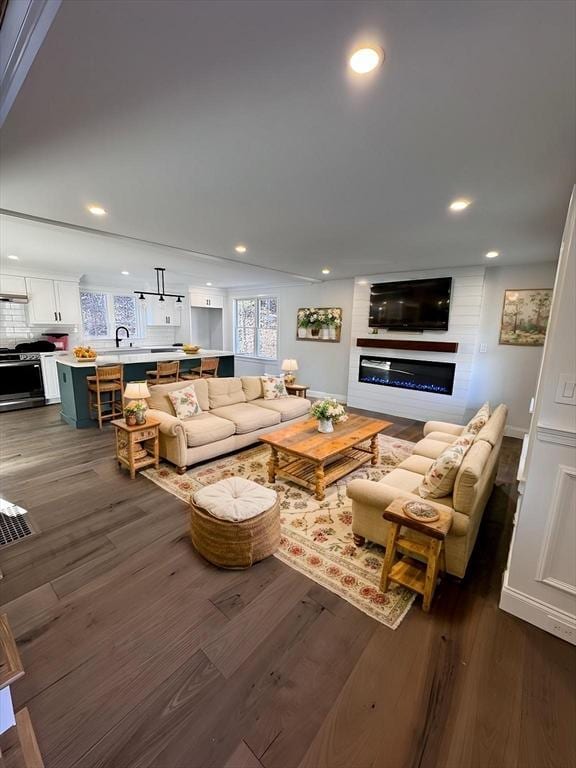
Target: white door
x=50, y=377
x=41, y=301
x=68, y=302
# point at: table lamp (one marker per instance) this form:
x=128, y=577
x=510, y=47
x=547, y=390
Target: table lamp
x=289, y=366
x=137, y=390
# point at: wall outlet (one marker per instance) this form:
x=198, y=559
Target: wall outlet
x=562, y=629
x=566, y=389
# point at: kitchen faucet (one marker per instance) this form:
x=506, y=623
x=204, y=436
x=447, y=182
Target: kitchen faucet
x=121, y=328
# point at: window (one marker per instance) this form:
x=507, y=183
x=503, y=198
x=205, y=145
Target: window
x=102, y=313
x=256, y=327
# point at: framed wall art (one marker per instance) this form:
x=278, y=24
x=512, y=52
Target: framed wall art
x=525, y=316
x=319, y=324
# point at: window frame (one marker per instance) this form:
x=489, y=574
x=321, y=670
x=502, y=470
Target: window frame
x=257, y=328
x=110, y=319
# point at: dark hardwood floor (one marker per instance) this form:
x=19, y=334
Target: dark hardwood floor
x=138, y=653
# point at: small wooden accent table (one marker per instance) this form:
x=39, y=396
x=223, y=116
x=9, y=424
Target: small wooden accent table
x=411, y=573
x=300, y=390
x=316, y=459
x=137, y=447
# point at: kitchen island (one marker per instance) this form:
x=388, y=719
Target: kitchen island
x=72, y=374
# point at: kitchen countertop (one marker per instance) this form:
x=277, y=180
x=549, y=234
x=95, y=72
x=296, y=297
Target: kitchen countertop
x=129, y=355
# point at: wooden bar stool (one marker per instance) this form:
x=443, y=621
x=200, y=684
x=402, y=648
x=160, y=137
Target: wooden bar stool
x=165, y=373
x=208, y=370
x=108, y=379
x=415, y=574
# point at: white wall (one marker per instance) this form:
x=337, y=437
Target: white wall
x=322, y=365
x=540, y=582
x=507, y=374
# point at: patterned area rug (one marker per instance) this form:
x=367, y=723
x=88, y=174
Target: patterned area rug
x=316, y=535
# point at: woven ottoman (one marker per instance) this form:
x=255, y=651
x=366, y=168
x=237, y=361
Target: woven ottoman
x=235, y=522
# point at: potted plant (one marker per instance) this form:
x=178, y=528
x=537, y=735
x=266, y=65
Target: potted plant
x=334, y=321
x=328, y=412
x=302, y=323
x=135, y=413
x=314, y=322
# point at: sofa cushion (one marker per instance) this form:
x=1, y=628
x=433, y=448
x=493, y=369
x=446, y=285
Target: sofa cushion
x=247, y=417
x=206, y=428
x=160, y=401
x=420, y=464
x=185, y=402
x=403, y=479
x=439, y=479
x=470, y=471
x=479, y=419
x=444, y=437
x=290, y=407
x=429, y=448
x=493, y=430
x=252, y=386
x=227, y=391
x=273, y=387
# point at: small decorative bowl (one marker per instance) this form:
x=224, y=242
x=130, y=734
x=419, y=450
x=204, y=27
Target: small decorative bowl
x=85, y=359
x=190, y=350
x=420, y=510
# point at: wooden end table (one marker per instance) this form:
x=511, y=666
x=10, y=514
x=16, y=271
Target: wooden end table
x=414, y=574
x=300, y=390
x=139, y=446
x=314, y=459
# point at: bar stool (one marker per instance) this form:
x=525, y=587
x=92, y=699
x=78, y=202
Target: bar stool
x=165, y=373
x=208, y=370
x=110, y=379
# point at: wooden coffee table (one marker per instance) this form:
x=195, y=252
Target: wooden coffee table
x=314, y=460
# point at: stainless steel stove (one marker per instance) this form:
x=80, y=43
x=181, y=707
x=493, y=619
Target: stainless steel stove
x=21, y=384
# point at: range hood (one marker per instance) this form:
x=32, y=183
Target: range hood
x=14, y=298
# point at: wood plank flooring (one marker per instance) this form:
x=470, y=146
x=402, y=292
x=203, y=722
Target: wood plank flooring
x=139, y=654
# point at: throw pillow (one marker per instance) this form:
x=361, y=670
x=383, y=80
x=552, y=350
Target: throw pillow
x=440, y=478
x=185, y=402
x=273, y=387
x=477, y=422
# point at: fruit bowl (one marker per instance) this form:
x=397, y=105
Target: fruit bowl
x=190, y=349
x=84, y=354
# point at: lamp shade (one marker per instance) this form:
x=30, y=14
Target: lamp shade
x=136, y=390
x=289, y=365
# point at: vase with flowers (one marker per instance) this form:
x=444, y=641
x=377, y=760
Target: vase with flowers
x=135, y=413
x=328, y=412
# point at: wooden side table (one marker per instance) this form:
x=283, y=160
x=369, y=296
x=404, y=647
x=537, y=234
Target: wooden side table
x=415, y=574
x=300, y=390
x=137, y=447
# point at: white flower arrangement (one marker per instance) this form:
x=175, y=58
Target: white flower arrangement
x=329, y=410
x=312, y=317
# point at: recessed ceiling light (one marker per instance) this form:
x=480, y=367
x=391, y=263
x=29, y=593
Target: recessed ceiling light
x=325, y=271
x=492, y=254
x=208, y=283
x=13, y=257
x=459, y=205
x=364, y=60
x=124, y=272
x=96, y=210
x=240, y=249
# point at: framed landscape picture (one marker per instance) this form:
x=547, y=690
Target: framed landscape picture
x=525, y=316
x=319, y=324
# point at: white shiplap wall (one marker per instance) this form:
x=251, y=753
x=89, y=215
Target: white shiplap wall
x=464, y=323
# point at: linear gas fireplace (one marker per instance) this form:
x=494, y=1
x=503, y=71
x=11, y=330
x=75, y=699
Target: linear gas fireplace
x=421, y=375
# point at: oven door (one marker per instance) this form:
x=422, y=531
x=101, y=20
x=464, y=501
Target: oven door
x=21, y=385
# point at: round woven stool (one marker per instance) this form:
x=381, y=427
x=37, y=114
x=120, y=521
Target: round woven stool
x=235, y=522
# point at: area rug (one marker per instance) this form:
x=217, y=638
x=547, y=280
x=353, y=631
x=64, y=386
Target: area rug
x=316, y=535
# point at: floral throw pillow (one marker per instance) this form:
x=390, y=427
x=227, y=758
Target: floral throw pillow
x=479, y=420
x=440, y=478
x=185, y=402
x=273, y=387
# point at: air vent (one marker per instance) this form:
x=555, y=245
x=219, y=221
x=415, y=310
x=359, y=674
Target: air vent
x=14, y=528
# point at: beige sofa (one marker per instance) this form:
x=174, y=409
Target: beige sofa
x=472, y=488
x=234, y=415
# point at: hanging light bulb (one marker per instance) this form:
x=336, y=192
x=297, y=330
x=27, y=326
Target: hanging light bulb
x=161, y=298
x=142, y=297
x=178, y=300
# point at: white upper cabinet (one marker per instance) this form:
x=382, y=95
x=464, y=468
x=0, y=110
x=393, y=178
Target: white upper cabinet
x=212, y=301
x=164, y=313
x=13, y=286
x=53, y=302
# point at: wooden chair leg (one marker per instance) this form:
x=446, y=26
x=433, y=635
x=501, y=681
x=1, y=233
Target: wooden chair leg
x=434, y=555
x=393, y=533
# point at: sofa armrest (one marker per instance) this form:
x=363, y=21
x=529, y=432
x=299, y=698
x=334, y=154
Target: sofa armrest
x=169, y=425
x=443, y=426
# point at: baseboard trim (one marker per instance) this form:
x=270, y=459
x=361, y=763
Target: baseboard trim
x=322, y=395
x=537, y=612
x=518, y=432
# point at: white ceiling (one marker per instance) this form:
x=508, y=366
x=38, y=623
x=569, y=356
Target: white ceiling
x=203, y=124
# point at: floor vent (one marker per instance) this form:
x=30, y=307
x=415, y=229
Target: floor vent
x=14, y=528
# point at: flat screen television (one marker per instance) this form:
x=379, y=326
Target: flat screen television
x=411, y=305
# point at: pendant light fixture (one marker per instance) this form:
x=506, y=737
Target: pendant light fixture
x=160, y=289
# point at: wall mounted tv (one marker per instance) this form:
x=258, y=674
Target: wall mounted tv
x=411, y=305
